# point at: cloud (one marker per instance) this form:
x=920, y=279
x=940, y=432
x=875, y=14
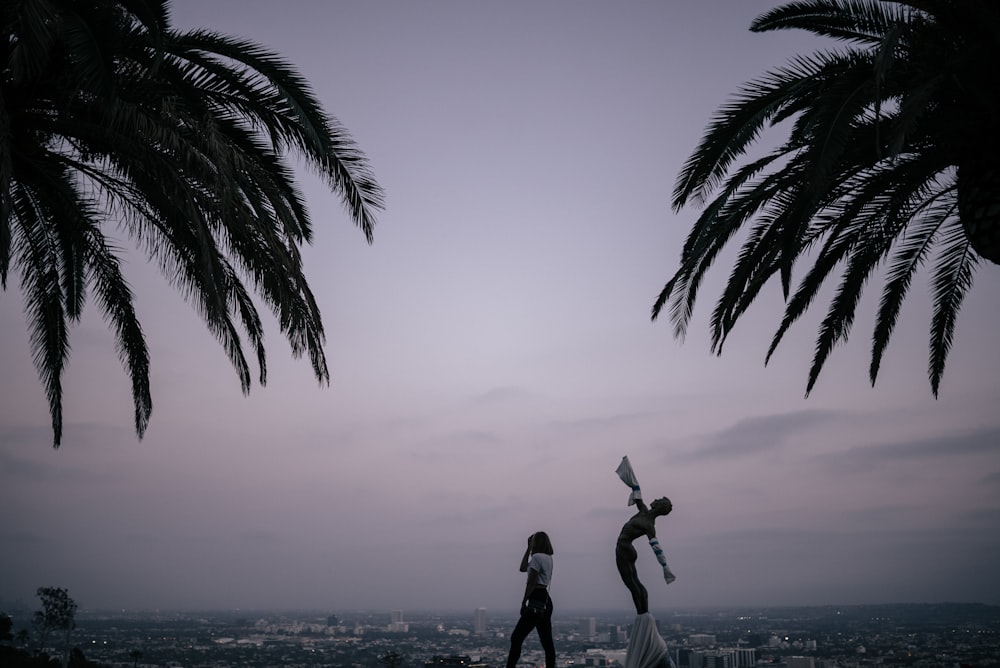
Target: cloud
x=76, y=436
x=15, y=540
x=603, y=423
x=503, y=395
x=258, y=537
x=989, y=518
x=447, y=446
x=991, y=478
x=970, y=442
x=757, y=435
x=34, y=436
x=19, y=468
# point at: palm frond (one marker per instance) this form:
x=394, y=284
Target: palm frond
x=6, y=183
x=879, y=136
x=860, y=21
x=320, y=138
x=182, y=139
x=115, y=299
x=37, y=263
x=951, y=280
x=909, y=255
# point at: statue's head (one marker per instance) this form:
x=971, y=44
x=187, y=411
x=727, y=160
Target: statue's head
x=540, y=543
x=661, y=506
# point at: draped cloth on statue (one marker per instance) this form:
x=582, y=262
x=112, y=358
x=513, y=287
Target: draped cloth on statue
x=646, y=647
x=627, y=475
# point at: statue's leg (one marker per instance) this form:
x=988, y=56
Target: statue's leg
x=625, y=557
x=639, y=597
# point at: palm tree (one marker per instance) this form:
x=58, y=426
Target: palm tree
x=892, y=160
x=113, y=121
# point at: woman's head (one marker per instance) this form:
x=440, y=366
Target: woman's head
x=540, y=543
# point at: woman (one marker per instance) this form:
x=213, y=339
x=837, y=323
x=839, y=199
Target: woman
x=536, y=605
x=643, y=523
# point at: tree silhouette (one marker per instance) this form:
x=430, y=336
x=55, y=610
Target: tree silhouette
x=892, y=161
x=6, y=625
x=112, y=122
x=58, y=613
x=392, y=659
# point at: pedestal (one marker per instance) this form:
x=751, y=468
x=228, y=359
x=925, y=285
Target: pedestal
x=646, y=647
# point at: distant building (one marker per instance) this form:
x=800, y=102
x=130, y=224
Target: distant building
x=800, y=662
x=701, y=639
x=720, y=658
x=685, y=657
x=746, y=657
x=453, y=660
x=397, y=625
x=689, y=658
x=588, y=627
x=480, y=621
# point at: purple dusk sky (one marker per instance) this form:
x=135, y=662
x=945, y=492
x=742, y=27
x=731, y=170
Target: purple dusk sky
x=493, y=359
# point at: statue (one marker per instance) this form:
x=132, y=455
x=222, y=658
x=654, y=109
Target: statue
x=641, y=524
x=646, y=648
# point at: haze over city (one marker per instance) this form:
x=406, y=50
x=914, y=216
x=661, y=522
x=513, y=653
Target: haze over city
x=493, y=358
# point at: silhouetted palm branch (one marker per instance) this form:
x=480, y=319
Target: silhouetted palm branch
x=112, y=119
x=892, y=157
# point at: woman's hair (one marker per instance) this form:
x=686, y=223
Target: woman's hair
x=540, y=543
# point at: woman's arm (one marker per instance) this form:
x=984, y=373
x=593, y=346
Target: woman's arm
x=527, y=554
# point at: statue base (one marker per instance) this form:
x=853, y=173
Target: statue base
x=646, y=647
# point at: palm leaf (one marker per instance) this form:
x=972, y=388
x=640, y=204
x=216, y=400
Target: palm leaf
x=950, y=281
x=907, y=258
x=860, y=21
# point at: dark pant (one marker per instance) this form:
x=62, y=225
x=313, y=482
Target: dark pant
x=528, y=621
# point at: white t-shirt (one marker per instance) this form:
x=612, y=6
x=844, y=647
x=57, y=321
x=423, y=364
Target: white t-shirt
x=541, y=563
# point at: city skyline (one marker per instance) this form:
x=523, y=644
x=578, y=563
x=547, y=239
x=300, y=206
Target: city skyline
x=492, y=360
x=844, y=636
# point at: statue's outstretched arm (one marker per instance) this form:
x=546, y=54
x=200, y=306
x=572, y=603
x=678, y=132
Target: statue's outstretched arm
x=658, y=551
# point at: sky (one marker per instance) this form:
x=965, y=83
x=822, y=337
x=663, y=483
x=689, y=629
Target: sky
x=493, y=359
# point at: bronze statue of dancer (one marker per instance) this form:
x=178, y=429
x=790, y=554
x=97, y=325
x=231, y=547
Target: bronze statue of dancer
x=641, y=524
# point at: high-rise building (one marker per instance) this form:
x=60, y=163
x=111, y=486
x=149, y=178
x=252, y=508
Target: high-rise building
x=397, y=625
x=746, y=657
x=689, y=658
x=588, y=627
x=719, y=658
x=480, y=623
